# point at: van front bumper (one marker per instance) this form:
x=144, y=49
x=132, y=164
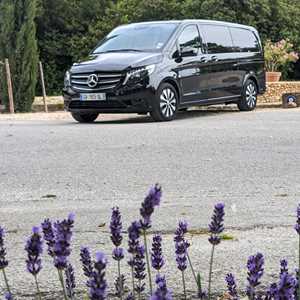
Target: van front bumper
x=134, y=101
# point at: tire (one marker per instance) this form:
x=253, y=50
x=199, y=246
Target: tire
x=85, y=117
x=166, y=103
x=249, y=96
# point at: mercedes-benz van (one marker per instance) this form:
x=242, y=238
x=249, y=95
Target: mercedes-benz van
x=166, y=66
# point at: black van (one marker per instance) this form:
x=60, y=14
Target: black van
x=162, y=67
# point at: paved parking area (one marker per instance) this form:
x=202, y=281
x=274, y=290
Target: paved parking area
x=50, y=165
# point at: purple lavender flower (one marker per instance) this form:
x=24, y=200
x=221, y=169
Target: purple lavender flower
x=116, y=227
x=86, y=260
x=130, y=296
x=97, y=282
x=118, y=254
x=297, y=277
x=216, y=227
x=283, y=266
x=255, y=267
x=297, y=226
x=181, y=255
x=181, y=231
x=34, y=249
x=8, y=296
x=162, y=292
x=62, y=246
x=133, y=236
x=139, y=268
x=157, y=258
x=3, y=260
x=285, y=290
x=148, y=205
x=70, y=281
x=119, y=285
x=231, y=286
x=48, y=235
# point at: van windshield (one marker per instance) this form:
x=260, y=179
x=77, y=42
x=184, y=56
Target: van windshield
x=137, y=37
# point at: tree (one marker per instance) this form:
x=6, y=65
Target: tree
x=18, y=44
x=26, y=56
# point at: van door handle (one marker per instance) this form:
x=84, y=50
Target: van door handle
x=203, y=59
x=214, y=58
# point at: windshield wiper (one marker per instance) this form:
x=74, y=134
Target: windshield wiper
x=120, y=50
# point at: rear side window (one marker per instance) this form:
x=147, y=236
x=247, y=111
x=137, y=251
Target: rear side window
x=244, y=40
x=190, y=39
x=218, y=39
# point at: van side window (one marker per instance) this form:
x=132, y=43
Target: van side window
x=189, y=39
x=218, y=39
x=244, y=40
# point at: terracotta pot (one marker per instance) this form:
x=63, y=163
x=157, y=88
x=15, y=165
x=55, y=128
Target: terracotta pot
x=273, y=76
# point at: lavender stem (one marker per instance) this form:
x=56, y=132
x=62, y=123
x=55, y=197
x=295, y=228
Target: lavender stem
x=183, y=283
x=37, y=287
x=6, y=280
x=133, y=285
x=192, y=268
x=148, y=261
x=121, y=287
x=61, y=279
x=210, y=271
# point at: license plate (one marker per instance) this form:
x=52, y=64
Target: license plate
x=93, y=97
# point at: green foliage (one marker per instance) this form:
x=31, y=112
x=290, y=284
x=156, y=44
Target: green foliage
x=18, y=44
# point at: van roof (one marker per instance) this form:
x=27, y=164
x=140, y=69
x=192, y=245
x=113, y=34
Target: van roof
x=199, y=21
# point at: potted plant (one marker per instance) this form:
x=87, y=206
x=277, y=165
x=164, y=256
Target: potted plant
x=277, y=56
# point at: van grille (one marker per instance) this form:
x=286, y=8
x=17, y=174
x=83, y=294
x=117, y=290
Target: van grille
x=106, y=81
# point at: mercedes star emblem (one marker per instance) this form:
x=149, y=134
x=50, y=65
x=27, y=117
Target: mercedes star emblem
x=92, y=81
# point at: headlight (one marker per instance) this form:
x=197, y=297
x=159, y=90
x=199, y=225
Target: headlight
x=67, y=80
x=138, y=74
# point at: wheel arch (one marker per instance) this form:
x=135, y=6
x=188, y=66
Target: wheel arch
x=252, y=77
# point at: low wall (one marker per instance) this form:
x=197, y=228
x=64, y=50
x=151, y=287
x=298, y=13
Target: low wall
x=275, y=90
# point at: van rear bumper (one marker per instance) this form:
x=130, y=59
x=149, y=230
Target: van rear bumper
x=137, y=101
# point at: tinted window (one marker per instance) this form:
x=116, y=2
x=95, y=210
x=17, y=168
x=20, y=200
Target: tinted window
x=141, y=37
x=218, y=39
x=244, y=40
x=189, y=39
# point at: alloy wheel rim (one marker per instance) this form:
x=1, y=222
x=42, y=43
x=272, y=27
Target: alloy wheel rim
x=251, y=95
x=168, y=102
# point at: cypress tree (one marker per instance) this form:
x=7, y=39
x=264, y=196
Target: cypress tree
x=7, y=43
x=26, y=55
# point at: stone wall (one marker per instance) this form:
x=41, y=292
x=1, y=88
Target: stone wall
x=275, y=90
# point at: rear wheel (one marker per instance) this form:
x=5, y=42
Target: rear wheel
x=166, y=103
x=249, y=97
x=85, y=117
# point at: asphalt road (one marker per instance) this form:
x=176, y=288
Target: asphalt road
x=50, y=166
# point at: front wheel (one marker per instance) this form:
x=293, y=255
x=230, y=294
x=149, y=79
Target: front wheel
x=166, y=103
x=85, y=117
x=249, y=96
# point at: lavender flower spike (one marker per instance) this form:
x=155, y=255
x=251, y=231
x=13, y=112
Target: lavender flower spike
x=297, y=226
x=70, y=281
x=3, y=260
x=216, y=226
x=97, y=282
x=157, y=258
x=116, y=227
x=139, y=269
x=231, y=285
x=162, y=292
x=62, y=245
x=152, y=199
x=255, y=267
x=86, y=260
x=118, y=254
x=48, y=235
x=34, y=249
